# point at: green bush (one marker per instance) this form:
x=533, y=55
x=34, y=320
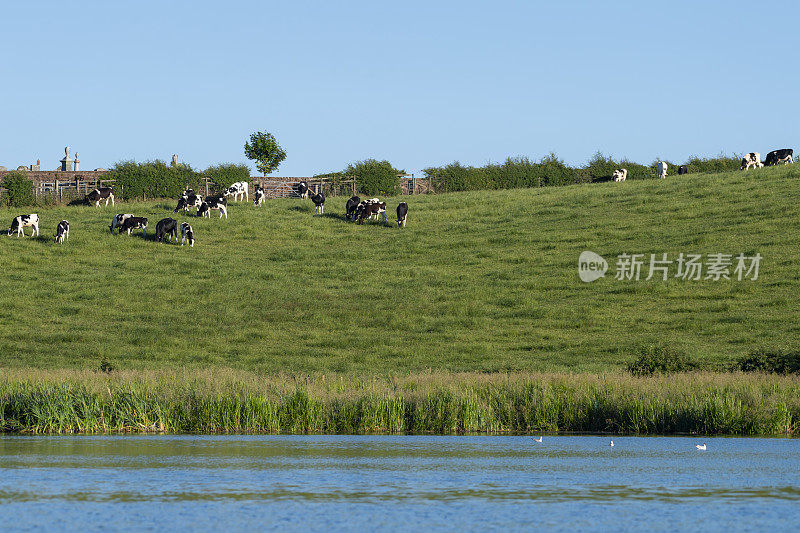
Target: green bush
x=226, y=174
x=660, y=359
x=771, y=361
x=153, y=179
x=19, y=190
x=375, y=177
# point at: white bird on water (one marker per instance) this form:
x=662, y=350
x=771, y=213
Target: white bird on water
x=537, y=439
x=612, y=444
x=700, y=446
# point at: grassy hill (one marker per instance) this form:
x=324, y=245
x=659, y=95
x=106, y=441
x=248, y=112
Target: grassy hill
x=481, y=281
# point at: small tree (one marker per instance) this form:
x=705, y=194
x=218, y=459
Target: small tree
x=375, y=177
x=265, y=151
x=20, y=189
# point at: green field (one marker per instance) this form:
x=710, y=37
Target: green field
x=478, y=282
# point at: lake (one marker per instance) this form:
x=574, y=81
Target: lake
x=243, y=482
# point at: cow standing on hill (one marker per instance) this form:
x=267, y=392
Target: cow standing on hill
x=24, y=221
x=683, y=169
x=187, y=234
x=99, y=194
x=302, y=189
x=258, y=196
x=132, y=223
x=238, y=190
x=319, y=201
x=620, y=174
x=351, y=206
x=662, y=169
x=753, y=159
x=62, y=231
x=402, y=213
x=214, y=202
x=167, y=226
x=779, y=156
x=117, y=221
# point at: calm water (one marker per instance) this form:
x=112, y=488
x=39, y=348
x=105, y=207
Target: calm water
x=397, y=483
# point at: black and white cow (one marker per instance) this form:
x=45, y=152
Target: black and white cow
x=683, y=169
x=187, y=234
x=402, y=213
x=213, y=202
x=366, y=211
x=98, y=195
x=25, y=221
x=302, y=189
x=351, y=206
x=662, y=169
x=132, y=223
x=62, y=231
x=319, y=201
x=258, y=196
x=779, y=156
x=188, y=200
x=621, y=174
x=167, y=226
x=237, y=190
x=753, y=159
x=117, y=221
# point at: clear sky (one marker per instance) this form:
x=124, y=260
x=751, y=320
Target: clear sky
x=419, y=83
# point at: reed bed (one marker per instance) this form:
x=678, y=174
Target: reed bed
x=232, y=401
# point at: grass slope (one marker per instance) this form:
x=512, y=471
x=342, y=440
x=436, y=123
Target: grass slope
x=479, y=281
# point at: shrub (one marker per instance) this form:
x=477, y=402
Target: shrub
x=154, y=179
x=770, y=361
x=226, y=174
x=20, y=190
x=661, y=359
x=375, y=177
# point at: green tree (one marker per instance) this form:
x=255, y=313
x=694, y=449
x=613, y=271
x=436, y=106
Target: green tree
x=375, y=177
x=20, y=190
x=265, y=151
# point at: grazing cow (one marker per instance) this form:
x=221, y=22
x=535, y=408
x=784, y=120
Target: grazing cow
x=167, y=226
x=351, y=206
x=662, y=169
x=779, y=156
x=302, y=190
x=97, y=195
x=117, y=221
x=213, y=202
x=753, y=159
x=132, y=223
x=319, y=201
x=258, y=196
x=186, y=202
x=620, y=174
x=238, y=190
x=24, y=221
x=683, y=169
x=402, y=213
x=62, y=231
x=187, y=234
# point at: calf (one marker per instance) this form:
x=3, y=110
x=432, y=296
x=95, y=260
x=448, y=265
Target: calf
x=166, y=226
x=319, y=201
x=402, y=213
x=24, y=221
x=302, y=189
x=237, y=190
x=351, y=206
x=102, y=193
x=683, y=169
x=188, y=200
x=132, y=223
x=258, y=196
x=662, y=169
x=620, y=174
x=187, y=234
x=779, y=156
x=117, y=221
x=62, y=231
x=753, y=159
x=214, y=202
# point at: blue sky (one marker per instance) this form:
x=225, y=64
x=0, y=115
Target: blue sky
x=417, y=83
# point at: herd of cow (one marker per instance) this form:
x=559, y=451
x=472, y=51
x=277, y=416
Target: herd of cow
x=167, y=227
x=753, y=159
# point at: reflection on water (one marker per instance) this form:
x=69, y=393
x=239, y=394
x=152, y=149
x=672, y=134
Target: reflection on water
x=370, y=482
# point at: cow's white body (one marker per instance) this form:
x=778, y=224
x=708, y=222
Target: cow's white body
x=620, y=174
x=662, y=170
x=239, y=191
x=753, y=159
x=24, y=221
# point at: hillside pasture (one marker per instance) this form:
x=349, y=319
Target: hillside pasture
x=480, y=281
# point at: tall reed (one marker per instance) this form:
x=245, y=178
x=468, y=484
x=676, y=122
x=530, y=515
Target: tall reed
x=43, y=401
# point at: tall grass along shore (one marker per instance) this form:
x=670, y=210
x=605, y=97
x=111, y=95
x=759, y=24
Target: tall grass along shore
x=224, y=400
